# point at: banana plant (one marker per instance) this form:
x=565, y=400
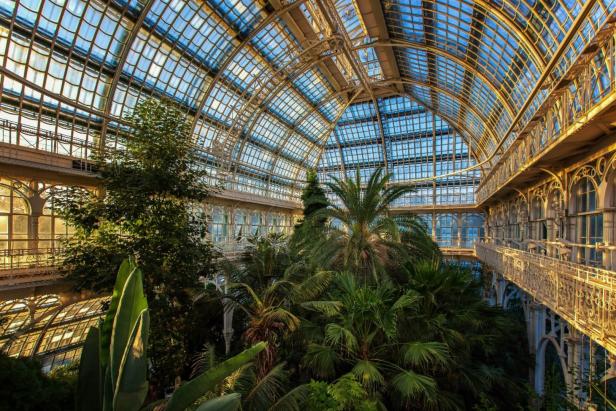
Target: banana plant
x=113, y=367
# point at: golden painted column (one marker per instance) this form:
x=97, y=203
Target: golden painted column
x=608, y=238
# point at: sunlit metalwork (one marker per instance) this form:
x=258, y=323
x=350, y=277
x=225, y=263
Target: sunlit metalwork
x=237, y=67
x=584, y=296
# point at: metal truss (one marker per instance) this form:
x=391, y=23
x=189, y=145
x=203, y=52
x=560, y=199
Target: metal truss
x=291, y=67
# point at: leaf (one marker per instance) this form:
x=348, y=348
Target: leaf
x=130, y=308
x=230, y=402
x=405, y=301
x=335, y=334
x=267, y=389
x=327, y=308
x=126, y=268
x=312, y=287
x=424, y=354
x=89, y=384
x=188, y=393
x=321, y=360
x=293, y=400
x=368, y=374
x=411, y=385
x=132, y=384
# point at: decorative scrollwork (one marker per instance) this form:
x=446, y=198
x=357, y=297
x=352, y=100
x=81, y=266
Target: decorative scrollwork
x=585, y=297
x=587, y=171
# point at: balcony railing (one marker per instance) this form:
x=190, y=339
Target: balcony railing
x=23, y=266
x=29, y=258
x=583, y=296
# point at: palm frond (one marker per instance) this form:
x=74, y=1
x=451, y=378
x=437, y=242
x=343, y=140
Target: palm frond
x=411, y=385
x=203, y=360
x=320, y=360
x=267, y=390
x=312, y=287
x=293, y=400
x=337, y=335
x=229, y=402
x=425, y=353
x=327, y=308
x=368, y=374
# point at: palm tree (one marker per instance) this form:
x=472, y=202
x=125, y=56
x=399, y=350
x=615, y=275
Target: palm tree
x=361, y=336
x=265, y=258
x=363, y=236
x=269, y=319
x=269, y=294
x=486, y=345
x=269, y=392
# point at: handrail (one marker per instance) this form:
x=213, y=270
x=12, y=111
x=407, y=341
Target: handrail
x=583, y=296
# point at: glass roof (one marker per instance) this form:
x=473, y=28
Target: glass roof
x=273, y=88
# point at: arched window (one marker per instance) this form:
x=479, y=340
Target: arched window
x=556, y=210
x=471, y=230
x=14, y=219
x=589, y=224
x=446, y=230
x=52, y=228
x=256, y=223
x=219, y=228
x=538, y=224
x=513, y=226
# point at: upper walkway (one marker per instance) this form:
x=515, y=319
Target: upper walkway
x=583, y=296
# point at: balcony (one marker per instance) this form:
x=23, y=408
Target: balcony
x=583, y=296
x=575, y=116
x=28, y=267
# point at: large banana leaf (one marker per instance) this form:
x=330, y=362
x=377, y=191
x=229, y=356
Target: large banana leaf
x=132, y=385
x=131, y=306
x=125, y=270
x=188, y=393
x=88, y=395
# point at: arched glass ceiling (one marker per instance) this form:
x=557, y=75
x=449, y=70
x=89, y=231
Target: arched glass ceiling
x=410, y=142
x=265, y=83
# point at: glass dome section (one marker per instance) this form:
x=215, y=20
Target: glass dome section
x=264, y=83
x=408, y=141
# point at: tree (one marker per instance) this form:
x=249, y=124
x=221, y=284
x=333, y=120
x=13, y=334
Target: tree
x=311, y=228
x=488, y=361
x=313, y=195
x=362, y=236
x=24, y=387
x=146, y=207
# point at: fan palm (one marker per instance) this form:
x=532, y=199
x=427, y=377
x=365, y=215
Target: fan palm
x=362, y=235
x=361, y=336
x=479, y=338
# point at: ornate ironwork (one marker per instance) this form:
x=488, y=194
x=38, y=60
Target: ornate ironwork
x=583, y=296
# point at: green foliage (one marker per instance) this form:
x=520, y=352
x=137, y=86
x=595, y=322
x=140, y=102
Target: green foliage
x=265, y=259
x=362, y=338
x=113, y=366
x=146, y=207
x=362, y=237
x=191, y=391
x=401, y=329
x=313, y=195
x=345, y=394
x=114, y=361
x=23, y=387
x=386, y=325
x=311, y=227
x=230, y=402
